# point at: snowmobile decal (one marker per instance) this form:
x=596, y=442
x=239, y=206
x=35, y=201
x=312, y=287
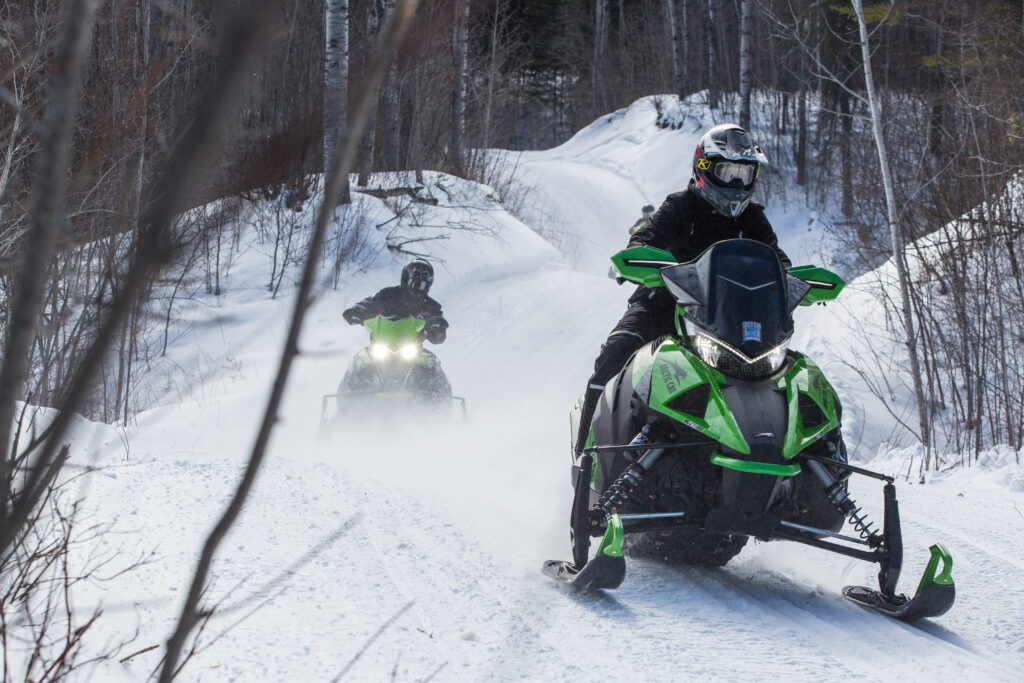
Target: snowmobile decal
x=675, y=372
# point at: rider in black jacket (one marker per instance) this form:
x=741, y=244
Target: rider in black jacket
x=715, y=206
x=409, y=299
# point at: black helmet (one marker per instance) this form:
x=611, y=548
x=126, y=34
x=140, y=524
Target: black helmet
x=725, y=168
x=418, y=275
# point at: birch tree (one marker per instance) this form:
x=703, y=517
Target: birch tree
x=712, y=55
x=898, y=246
x=335, y=84
x=456, y=145
x=746, y=60
x=678, y=62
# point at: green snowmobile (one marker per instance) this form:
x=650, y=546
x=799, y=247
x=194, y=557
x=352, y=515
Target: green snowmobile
x=719, y=433
x=393, y=375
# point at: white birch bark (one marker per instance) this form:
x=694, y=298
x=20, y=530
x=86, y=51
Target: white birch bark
x=746, y=60
x=678, y=63
x=335, y=83
x=368, y=143
x=456, y=151
x=898, y=250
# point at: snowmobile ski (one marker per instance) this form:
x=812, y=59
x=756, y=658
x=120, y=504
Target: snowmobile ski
x=935, y=594
x=606, y=570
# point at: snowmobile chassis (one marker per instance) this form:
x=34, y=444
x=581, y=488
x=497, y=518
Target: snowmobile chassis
x=935, y=593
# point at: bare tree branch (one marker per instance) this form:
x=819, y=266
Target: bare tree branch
x=340, y=168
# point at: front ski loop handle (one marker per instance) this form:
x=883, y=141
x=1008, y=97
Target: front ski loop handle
x=939, y=552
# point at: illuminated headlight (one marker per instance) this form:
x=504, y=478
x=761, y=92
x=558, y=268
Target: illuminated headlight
x=409, y=351
x=730, y=361
x=379, y=351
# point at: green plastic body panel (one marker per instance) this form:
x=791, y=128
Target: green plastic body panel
x=755, y=467
x=394, y=333
x=804, y=377
x=825, y=285
x=642, y=265
x=675, y=371
x=611, y=543
x=939, y=552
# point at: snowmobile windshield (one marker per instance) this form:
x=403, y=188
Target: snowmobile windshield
x=734, y=303
x=394, y=334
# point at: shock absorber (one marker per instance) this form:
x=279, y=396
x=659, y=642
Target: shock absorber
x=837, y=494
x=618, y=493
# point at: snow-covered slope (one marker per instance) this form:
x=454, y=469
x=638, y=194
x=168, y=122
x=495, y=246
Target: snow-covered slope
x=412, y=552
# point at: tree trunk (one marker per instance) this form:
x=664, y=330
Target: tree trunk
x=335, y=84
x=678, y=63
x=456, y=145
x=712, y=56
x=746, y=60
x=366, y=147
x=600, y=35
x=894, y=229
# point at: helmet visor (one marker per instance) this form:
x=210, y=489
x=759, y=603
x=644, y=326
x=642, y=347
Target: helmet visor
x=731, y=172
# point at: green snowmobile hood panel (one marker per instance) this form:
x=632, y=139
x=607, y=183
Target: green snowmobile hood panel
x=805, y=378
x=825, y=285
x=642, y=265
x=674, y=370
x=611, y=543
x=754, y=467
x=939, y=552
x=394, y=333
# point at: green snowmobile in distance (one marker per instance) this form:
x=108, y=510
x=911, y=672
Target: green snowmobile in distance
x=719, y=433
x=392, y=376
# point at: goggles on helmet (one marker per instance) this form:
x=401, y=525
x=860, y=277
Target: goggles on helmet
x=728, y=171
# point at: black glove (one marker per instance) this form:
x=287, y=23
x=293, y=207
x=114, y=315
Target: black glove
x=352, y=317
x=434, y=332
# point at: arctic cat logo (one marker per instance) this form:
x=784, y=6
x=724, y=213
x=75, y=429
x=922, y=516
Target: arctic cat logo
x=672, y=375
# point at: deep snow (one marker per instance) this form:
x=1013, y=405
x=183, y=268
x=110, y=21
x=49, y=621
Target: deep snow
x=438, y=530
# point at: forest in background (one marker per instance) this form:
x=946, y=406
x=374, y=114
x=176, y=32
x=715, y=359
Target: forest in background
x=518, y=74
x=132, y=136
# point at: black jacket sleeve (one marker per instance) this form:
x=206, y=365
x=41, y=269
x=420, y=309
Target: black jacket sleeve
x=758, y=228
x=662, y=228
x=364, y=310
x=436, y=329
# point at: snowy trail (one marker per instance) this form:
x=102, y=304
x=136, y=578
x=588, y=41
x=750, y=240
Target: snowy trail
x=443, y=527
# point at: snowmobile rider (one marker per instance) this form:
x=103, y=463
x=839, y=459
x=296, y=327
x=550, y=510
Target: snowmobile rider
x=715, y=206
x=408, y=299
x=646, y=212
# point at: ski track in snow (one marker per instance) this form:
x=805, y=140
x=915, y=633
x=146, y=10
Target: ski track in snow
x=457, y=517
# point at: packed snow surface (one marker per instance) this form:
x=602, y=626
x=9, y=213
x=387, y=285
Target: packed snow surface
x=404, y=550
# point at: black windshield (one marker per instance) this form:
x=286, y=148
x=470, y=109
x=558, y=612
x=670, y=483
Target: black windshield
x=736, y=290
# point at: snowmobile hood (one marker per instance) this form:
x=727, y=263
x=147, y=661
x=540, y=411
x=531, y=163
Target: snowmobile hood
x=394, y=333
x=737, y=291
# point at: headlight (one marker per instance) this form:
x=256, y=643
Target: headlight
x=379, y=351
x=409, y=351
x=731, y=361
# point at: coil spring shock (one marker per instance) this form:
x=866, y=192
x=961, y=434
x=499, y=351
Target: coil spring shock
x=618, y=493
x=838, y=496
x=863, y=526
